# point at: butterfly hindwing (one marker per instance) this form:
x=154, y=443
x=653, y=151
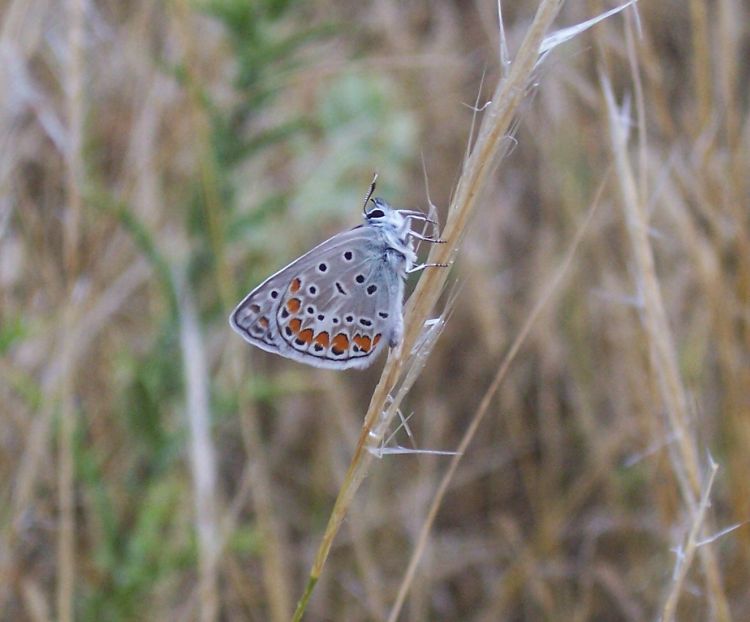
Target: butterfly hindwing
x=334, y=307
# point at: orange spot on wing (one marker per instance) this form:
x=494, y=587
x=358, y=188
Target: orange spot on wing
x=295, y=325
x=363, y=342
x=293, y=305
x=340, y=344
x=306, y=336
x=294, y=286
x=376, y=339
x=263, y=322
x=322, y=339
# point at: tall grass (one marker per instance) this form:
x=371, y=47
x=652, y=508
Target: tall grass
x=158, y=160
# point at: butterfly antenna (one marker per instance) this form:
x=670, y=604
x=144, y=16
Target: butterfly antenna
x=369, y=193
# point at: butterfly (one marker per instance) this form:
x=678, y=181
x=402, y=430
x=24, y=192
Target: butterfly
x=338, y=305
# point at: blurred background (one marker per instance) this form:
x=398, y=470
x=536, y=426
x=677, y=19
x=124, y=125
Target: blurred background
x=159, y=160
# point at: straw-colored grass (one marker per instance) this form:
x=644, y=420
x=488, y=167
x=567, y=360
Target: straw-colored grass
x=589, y=365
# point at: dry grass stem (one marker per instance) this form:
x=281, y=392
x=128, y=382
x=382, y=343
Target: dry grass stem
x=275, y=572
x=548, y=292
x=660, y=341
x=66, y=570
x=160, y=160
x=483, y=158
x=684, y=555
x=202, y=456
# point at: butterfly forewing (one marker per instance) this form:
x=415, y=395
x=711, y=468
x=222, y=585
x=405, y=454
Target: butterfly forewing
x=334, y=307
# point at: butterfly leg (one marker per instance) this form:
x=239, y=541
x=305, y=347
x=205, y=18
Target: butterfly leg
x=412, y=215
x=415, y=215
x=422, y=266
x=425, y=238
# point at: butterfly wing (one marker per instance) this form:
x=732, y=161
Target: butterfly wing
x=335, y=307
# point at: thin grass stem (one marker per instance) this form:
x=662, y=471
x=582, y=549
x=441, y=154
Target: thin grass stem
x=66, y=569
x=484, y=157
x=661, y=345
x=484, y=405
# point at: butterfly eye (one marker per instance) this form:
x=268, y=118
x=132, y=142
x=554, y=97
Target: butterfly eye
x=380, y=209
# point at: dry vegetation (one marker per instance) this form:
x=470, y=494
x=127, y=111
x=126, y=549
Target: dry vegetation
x=160, y=159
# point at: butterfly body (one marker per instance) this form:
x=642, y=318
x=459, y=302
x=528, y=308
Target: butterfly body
x=338, y=305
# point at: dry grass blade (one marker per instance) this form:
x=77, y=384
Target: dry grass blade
x=202, y=454
x=66, y=482
x=219, y=140
x=483, y=159
x=659, y=336
x=275, y=571
x=75, y=171
x=685, y=557
x=483, y=407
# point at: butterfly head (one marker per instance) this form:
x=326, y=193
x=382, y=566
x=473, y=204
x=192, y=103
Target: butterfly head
x=380, y=214
x=379, y=211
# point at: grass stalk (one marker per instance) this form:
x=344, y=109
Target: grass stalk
x=548, y=292
x=701, y=61
x=483, y=159
x=202, y=455
x=274, y=573
x=74, y=188
x=65, y=489
x=661, y=345
x=685, y=557
x=207, y=166
x=164, y=139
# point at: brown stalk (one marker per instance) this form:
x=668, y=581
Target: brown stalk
x=662, y=349
x=482, y=409
x=74, y=188
x=483, y=159
x=274, y=570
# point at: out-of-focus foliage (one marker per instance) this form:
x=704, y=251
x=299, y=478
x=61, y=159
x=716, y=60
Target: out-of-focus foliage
x=220, y=140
